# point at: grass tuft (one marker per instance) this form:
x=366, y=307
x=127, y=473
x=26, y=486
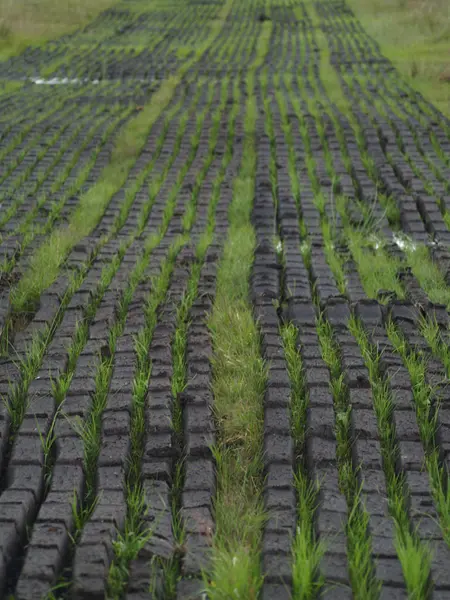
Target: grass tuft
x=307, y=551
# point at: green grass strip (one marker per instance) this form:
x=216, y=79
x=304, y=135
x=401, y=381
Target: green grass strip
x=238, y=386
x=428, y=274
x=377, y=268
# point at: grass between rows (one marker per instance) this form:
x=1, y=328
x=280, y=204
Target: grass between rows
x=307, y=550
x=414, y=555
x=427, y=403
x=238, y=385
x=136, y=534
x=359, y=544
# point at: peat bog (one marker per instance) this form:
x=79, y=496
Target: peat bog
x=224, y=294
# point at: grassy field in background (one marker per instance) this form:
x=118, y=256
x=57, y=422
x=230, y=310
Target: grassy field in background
x=23, y=22
x=415, y=36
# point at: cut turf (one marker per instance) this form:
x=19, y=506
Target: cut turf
x=224, y=286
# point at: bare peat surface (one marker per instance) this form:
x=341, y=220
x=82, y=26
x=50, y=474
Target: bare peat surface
x=107, y=425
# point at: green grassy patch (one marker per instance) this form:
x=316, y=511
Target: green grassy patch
x=377, y=268
x=238, y=386
x=428, y=274
x=27, y=22
x=415, y=36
